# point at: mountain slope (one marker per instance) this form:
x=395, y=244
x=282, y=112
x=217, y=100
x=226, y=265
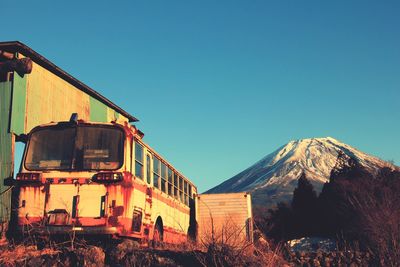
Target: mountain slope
x=273, y=178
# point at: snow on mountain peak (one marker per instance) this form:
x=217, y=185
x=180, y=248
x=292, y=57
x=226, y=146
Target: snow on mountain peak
x=275, y=176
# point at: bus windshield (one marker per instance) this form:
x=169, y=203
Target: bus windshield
x=75, y=148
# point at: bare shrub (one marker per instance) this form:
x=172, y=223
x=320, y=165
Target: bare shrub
x=23, y=255
x=378, y=211
x=224, y=231
x=365, y=210
x=225, y=246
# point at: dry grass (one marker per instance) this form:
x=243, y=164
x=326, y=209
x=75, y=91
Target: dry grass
x=22, y=254
x=185, y=254
x=225, y=245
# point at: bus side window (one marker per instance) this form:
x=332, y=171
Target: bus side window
x=170, y=183
x=176, y=186
x=132, y=155
x=148, y=168
x=181, y=190
x=137, y=221
x=190, y=191
x=138, y=160
x=163, y=177
x=186, y=193
x=156, y=172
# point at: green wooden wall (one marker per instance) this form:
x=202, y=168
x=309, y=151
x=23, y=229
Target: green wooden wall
x=18, y=105
x=98, y=111
x=6, y=149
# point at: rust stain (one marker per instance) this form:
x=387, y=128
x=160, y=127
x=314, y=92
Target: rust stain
x=112, y=199
x=121, y=210
x=46, y=191
x=35, y=192
x=129, y=130
x=127, y=190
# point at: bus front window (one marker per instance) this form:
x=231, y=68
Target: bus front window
x=50, y=148
x=75, y=148
x=99, y=148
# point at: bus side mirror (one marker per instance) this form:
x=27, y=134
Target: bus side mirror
x=74, y=118
x=9, y=181
x=21, y=138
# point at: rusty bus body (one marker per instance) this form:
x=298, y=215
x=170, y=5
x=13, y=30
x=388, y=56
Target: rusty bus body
x=100, y=178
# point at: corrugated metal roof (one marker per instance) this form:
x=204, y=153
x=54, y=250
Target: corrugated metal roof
x=15, y=46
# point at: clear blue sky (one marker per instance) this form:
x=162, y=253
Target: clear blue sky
x=219, y=84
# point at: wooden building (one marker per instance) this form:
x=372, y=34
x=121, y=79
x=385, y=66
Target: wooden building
x=35, y=91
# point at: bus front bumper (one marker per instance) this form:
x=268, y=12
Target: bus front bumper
x=79, y=230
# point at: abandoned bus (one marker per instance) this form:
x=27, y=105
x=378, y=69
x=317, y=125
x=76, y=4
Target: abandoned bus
x=100, y=178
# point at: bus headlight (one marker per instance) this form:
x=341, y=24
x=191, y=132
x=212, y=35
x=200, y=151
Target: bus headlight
x=28, y=177
x=107, y=177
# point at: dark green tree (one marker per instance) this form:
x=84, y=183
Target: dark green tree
x=304, y=206
x=278, y=225
x=337, y=214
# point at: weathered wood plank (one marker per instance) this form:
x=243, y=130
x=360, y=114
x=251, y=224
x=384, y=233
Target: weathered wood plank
x=50, y=98
x=98, y=111
x=6, y=148
x=18, y=104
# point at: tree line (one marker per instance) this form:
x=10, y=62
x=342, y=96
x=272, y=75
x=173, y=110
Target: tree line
x=356, y=207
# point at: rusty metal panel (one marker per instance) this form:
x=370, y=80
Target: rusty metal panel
x=18, y=104
x=61, y=197
x=34, y=198
x=6, y=150
x=50, y=98
x=90, y=197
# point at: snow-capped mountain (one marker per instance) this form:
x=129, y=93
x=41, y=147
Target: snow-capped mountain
x=273, y=178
